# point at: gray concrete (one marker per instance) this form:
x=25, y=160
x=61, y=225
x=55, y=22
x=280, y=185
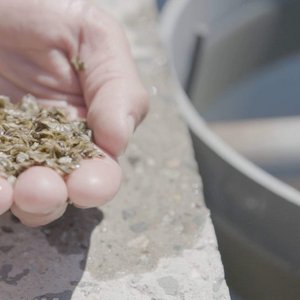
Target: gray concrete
x=155, y=241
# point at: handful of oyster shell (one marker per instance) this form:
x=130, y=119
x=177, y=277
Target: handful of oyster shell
x=32, y=135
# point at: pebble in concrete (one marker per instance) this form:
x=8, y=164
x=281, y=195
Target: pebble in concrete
x=169, y=285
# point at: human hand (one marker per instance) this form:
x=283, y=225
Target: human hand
x=39, y=43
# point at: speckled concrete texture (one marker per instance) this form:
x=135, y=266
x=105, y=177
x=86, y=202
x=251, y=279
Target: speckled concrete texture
x=155, y=241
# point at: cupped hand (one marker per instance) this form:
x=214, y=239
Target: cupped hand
x=69, y=53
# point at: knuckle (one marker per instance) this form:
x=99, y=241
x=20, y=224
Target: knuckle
x=101, y=22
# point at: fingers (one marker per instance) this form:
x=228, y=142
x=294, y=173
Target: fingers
x=40, y=190
x=116, y=99
x=94, y=183
x=10, y=90
x=6, y=196
x=35, y=220
x=40, y=194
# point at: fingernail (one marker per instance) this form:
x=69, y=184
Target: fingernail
x=81, y=207
x=131, y=126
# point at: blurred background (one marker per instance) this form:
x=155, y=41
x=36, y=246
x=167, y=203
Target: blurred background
x=237, y=64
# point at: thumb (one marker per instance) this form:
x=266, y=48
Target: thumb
x=114, y=95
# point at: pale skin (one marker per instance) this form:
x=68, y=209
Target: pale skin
x=38, y=41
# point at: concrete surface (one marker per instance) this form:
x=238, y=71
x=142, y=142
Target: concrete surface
x=155, y=241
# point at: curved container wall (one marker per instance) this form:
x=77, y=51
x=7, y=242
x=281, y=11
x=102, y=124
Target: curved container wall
x=215, y=47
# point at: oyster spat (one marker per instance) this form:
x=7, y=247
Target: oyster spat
x=32, y=135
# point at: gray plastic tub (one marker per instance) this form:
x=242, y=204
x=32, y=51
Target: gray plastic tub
x=238, y=60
